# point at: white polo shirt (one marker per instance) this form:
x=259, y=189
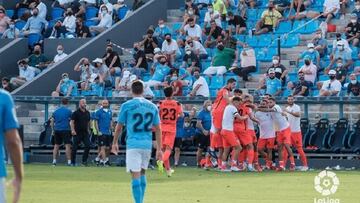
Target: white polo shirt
x=193, y=31
x=230, y=113
x=204, y=87
x=294, y=121
x=266, y=125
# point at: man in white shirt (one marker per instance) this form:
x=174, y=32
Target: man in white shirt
x=108, y=5
x=105, y=21
x=247, y=63
x=228, y=136
x=170, y=48
x=200, y=86
x=192, y=29
x=60, y=54
x=197, y=48
x=211, y=14
x=26, y=73
x=293, y=114
x=331, y=8
x=267, y=134
x=70, y=21
x=309, y=70
x=331, y=87
x=42, y=9
x=83, y=5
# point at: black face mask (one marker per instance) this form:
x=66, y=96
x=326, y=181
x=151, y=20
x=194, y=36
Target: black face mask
x=301, y=78
x=332, y=77
x=37, y=52
x=109, y=51
x=162, y=62
x=69, y=13
x=136, y=49
x=197, y=76
x=307, y=63
x=271, y=8
x=220, y=47
x=35, y=14
x=168, y=40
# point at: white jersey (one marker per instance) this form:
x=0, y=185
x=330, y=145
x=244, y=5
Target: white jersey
x=230, y=113
x=266, y=125
x=249, y=122
x=279, y=120
x=294, y=121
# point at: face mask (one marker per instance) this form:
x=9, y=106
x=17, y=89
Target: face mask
x=301, y=78
x=353, y=82
x=188, y=52
x=168, y=40
x=210, y=10
x=341, y=48
x=307, y=62
x=106, y=109
x=191, y=12
x=60, y=51
x=37, y=52
x=275, y=61
x=196, y=76
x=187, y=124
x=136, y=49
x=271, y=7
x=162, y=62
x=12, y=26
x=69, y=13
x=103, y=12
x=311, y=50
x=21, y=67
x=65, y=79
x=272, y=76
x=173, y=78
x=227, y=19
x=357, y=7
x=339, y=64
x=318, y=36
x=35, y=14
x=109, y=51
x=353, y=21
x=161, y=26
x=208, y=108
x=332, y=77
x=220, y=47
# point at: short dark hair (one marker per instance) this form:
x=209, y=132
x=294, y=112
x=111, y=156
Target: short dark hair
x=238, y=91
x=64, y=101
x=137, y=87
x=231, y=80
x=290, y=96
x=197, y=70
x=230, y=13
x=5, y=79
x=167, y=34
x=190, y=20
x=237, y=99
x=269, y=95
x=150, y=31
x=168, y=91
x=272, y=99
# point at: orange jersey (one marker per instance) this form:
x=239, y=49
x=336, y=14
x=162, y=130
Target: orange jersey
x=240, y=125
x=169, y=111
x=220, y=102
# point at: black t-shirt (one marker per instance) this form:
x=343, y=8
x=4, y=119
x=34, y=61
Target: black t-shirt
x=110, y=58
x=238, y=20
x=216, y=33
x=354, y=29
x=354, y=89
x=148, y=45
x=81, y=120
x=80, y=31
x=195, y=9
x=299, y=85
x=278, y=70
x=191, y=58
x=137, y=56
x=340, y=72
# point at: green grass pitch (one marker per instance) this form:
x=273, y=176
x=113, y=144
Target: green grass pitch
x=47, y=184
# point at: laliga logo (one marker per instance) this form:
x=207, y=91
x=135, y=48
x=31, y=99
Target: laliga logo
x=326, y=183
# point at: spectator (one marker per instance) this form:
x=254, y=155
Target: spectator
x=312, y=53
x=140, y=61
x=176, y=83
x=353, y=88
x=331, y=8
x=82, y=31
x=83, y=5
x=38, y=59
x=281, y=5
x=200, y=86
x=86, y=69
x=190, y=59
x=105, y=21
x=211, y=14
x=309, y=70
x=299, y=7
x=191, y=29
x=220, y=7
x=123, y=85
x=41, y=7
x=203, y=126
x=280, y=71
x=272, y=84
x=137, y=4
x=63, y=3
x=19, y=5
x=248, y=63
x=12, y=32
x=112, y=60
x=4, y=21
x=170, y=48
x=202, y=3
x=197, y=48
x=340, y=69
x=26, y=74
x=108, y=5
x=6, y=84
x=120, y=4
x=34, y=24
x=213, y=34
x=184, y=76
x=191, y=10
x=150, y=43
x=60, y=54
x=236, y=23
x=162, y=70
x=103, y=71
x=95, y=85
x=70, y=21
x=161, y=30
x=270, y=19
x=331, y=87
x=222, y=60
x=352, y=31
x=357, y=9
x=341, y=40
x=320, y=43
x=230, y=41
x=66, y=87
x=301, y=87
x=344, y=54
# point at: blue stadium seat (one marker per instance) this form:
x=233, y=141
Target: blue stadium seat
x=21, y=12
x=354, y=53
x=52, y=23
x=176, y=26
x=315, y=93
x=297, y=24
x=10, y=13
x=217, y=82
x=311, y=27
x=240, y=37
x=90, y=23
x=20, y=24
x=292, y=40
x=122, y=12
x=284, y=27
x=323, y=77
x=260, y=11
x=33, y=38
x=202, y=13
x=57, y=13
x=158, y=93
x=91, y=12
x=260, y=55
x=205, y=65
x=251, y=14
x=252, y=41
x=286, y=93
x=264, y=40
x=292, y=77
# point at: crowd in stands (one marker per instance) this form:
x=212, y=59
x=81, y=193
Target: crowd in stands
x=216, y=40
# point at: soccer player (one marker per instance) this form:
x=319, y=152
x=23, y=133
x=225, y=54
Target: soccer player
x=169, y=111
x=139, y=116
x=60, y=123
x=103, y=125
x=9, y=134
x=267, y=134
x=228, y=136
x=293, y=113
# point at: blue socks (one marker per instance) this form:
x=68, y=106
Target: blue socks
x=143, y=185
x=137, y=190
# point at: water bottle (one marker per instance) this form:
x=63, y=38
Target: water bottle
x=250, y=33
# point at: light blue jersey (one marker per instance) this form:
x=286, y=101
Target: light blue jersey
x=139, y=116
x=8, y=121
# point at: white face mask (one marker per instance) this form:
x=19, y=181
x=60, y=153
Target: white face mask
x=357, y=7
x=339, y=64
x=353, y=82
x=311, y=50
x=210, y=10
x=191, y=12
x=353, y=21
x=11, y=26
x=275, y=61
x=187, y=125
x=161, y=26
x=103, y=12
x=106, y=109
x=188, y=52
x=59, y=51
x=208, y=108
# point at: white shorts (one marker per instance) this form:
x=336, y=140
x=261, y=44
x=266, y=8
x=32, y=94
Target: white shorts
x=137, y=159
x=218, y=70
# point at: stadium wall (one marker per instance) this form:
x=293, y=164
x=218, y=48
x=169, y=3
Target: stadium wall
x=4, y=42
x=69, y=45
x=10, y=54
x=124, y=34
